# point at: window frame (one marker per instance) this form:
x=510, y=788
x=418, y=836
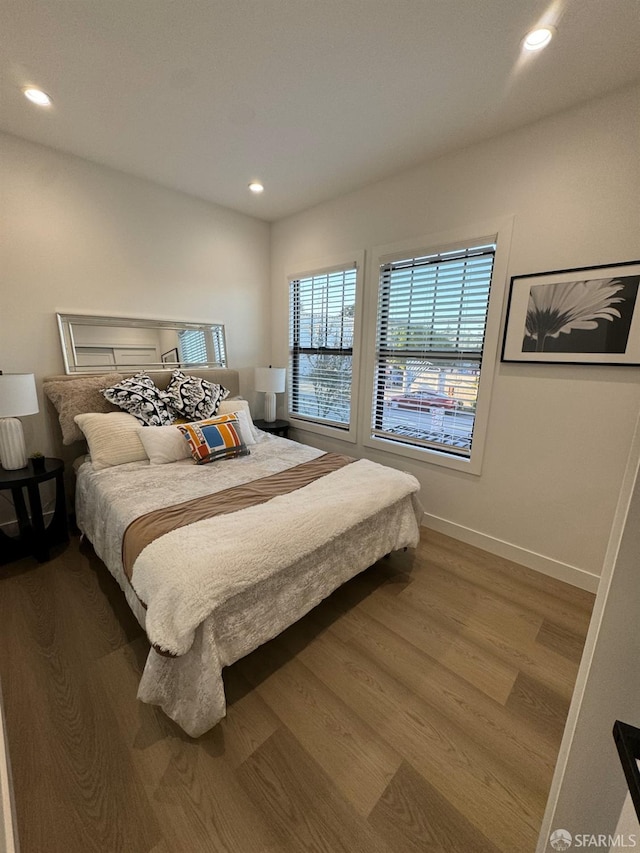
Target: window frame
x=495, y=231
x=352, y=260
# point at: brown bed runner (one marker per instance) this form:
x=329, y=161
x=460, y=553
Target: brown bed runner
x=145, y=529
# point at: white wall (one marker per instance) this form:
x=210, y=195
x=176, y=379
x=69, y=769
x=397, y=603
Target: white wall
x=558, y=436
x=77, y=237
x=627, y=830
x=589, y=787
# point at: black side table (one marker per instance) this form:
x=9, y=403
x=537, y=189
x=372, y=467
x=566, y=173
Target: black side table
x=33, y=537
x=280, y=428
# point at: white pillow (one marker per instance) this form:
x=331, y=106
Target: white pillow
x=245, y=422
x=163, y=444
x=241, y=408
x=112, y=438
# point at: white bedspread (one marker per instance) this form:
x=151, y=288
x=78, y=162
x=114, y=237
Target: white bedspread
x=332, y=538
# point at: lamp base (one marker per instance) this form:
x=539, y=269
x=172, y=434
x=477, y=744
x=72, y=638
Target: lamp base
x=13, y=452
x=269, y=406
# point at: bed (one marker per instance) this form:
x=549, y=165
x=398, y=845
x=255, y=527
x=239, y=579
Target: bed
x=211, y=590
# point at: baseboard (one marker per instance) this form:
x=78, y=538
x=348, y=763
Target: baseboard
x=532, y=560
x=11, y=527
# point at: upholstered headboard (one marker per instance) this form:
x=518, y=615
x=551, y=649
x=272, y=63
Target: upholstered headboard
x=79, y=399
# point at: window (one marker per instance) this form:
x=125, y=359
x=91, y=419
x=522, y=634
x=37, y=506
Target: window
x=321, y=336
x=198, y=346
x=431, y=322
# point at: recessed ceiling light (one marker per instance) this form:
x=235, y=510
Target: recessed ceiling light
x=256, y=187
x=37, y=96
x=537, y=39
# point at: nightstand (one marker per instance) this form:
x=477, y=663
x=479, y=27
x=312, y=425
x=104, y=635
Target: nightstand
x=280, y=428
x=33, y=537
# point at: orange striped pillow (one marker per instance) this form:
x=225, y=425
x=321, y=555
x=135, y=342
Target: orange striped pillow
x=214, y=438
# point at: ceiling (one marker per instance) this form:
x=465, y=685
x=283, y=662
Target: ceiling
x=312, y=97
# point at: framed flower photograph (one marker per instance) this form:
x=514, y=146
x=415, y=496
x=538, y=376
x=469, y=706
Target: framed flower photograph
x=588, y=315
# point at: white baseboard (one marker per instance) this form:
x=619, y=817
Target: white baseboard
x=532, y=560
x=11, y=527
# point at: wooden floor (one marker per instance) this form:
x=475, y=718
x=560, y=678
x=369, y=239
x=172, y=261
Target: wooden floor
x=420, y=708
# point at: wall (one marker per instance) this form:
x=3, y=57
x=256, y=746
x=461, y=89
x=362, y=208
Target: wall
x=558, y=436
x=627, y=830
x=589, y=787
x=81, y=238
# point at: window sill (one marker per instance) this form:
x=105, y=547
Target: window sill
x=430, y=456
x=303, y=425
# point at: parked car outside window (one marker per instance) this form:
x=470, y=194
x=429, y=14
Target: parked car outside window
x=424, y=401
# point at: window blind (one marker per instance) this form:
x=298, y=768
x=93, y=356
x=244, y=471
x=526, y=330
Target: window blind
x=432, y=312
x=322, y=308
x=200, y=347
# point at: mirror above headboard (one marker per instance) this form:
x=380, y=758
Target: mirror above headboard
x=102, y=344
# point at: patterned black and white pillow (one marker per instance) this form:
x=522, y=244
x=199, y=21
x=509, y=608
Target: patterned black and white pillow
x=193, y=398
x=141, y=398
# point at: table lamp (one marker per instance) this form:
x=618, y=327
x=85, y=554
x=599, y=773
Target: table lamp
x=271, y=381
x=18, y=397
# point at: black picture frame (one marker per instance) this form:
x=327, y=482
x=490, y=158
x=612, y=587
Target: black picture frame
x=170, y=357
x=584, y=315
x=627, y=739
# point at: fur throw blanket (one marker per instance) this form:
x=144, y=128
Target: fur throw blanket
x=185, y=575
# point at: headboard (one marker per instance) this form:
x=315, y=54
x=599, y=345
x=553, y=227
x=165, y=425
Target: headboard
x=69, y=452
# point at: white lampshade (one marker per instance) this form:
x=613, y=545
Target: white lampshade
x=18, y=397
x=270, y=379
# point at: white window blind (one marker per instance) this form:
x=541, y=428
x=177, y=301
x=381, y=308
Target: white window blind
x=202, y=347
x=322, y=308
x=432, y=313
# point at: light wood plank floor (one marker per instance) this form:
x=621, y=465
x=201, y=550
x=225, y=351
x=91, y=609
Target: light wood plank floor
x=420, y=708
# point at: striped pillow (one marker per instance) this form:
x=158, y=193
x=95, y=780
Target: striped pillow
x=215, y=438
